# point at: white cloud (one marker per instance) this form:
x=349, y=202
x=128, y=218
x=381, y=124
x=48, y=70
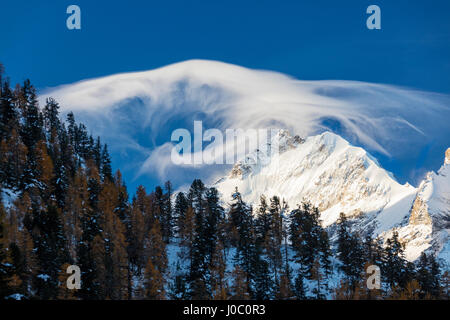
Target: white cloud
x=390, y=120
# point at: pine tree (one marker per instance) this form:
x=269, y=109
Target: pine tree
x=33, y=121
x=263, y=282
x=177, y=285
x=241, y=220
x=299, y=289
x=44, y=171
x=90, y=226
x=317, y=276
x=239, y=288
x=305, y=235
x=199, y=259
x=180, y=208
x=23, y=255
x=325, y=255
x=50, y=244
x=427, y=275
x=350, y=252
x=155, y=248
x=167, y=222
x=263, y=222
x=275, y=239
x=5, y=268
x=262, y=278
x=76, y=208
x=113, y=239
x=154, y=282
x=394, y=268
x=71, y=130
x=13, y=158
x=285, y=291
x=105, y=164
x=187, y=235
x=217, y=267
x=52, y=123
x=8, y=113
x=137, y=231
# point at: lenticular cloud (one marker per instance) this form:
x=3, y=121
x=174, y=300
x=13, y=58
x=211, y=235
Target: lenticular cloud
x=136, y=112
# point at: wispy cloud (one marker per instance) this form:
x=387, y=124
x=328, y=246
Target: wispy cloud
x=133, y=109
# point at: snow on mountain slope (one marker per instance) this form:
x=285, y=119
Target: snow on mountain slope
x=429, y=223
x=326, y=170
x=338, y=177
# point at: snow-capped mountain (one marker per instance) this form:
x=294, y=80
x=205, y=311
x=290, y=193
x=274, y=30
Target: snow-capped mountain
x=338, y=177
x=136, y=113
x=428, y=226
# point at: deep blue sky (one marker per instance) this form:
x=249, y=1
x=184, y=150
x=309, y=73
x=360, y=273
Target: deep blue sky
x=320, y=39
x=315, y=39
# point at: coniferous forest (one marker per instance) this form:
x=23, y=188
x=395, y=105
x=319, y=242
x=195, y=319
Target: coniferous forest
x=63, y=205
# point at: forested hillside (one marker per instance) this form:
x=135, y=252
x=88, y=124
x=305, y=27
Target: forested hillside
x=61, y=204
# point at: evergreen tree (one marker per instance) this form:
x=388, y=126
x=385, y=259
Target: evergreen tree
x=13, y=159
x=180, y=208
x=5, y=268
x=105, y=164
x=155, y=248
x=285, y=291
x=350, y=252
x=427, y=275
x=33, y=120
x=239, y=288
x=90, y=226
x=218, y=283
x=154, y=282
x=112, y=237
x=52, y=123
x=263, y=282
x=299, y=289
x=167, y=219
x=50, y=244
x=275, y=239
x=177, y=285
x=305, y=235
x=317, y=276
x=395, y=269
x=137, y=231
x=241, y=220
x=8, y=113
x=325, y=255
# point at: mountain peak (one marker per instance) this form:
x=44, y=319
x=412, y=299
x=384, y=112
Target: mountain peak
x=336, y=177
x=330, y=173
x=282, y=140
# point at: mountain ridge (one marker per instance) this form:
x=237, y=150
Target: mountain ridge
x=337, y=177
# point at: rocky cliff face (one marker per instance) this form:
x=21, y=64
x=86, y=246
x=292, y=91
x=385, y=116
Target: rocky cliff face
x=428, y=227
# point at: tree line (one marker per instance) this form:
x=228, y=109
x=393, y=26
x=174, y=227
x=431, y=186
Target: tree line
x=65, y=206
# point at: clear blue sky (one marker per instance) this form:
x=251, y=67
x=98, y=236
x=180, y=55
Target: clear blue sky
x=320, y=39
x=314, y=39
